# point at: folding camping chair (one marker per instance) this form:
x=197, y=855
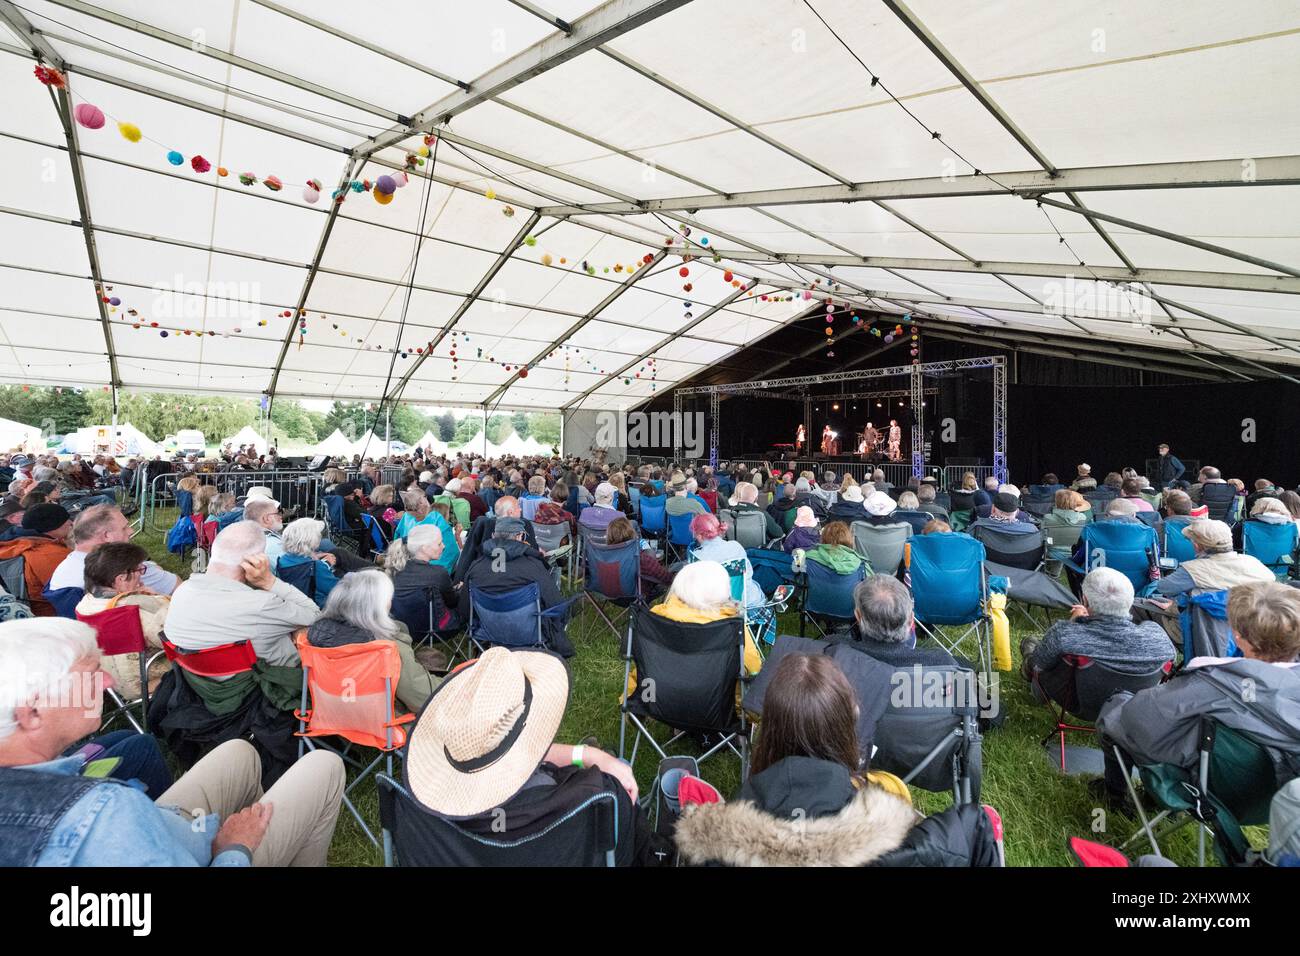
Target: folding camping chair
x=1078, y=687
x=414, y=608
x=827, y=596
x=224, y=660
x=771, y=568
x=1008, y=552
x=1231, y=787
x=13, y=577
x=612, y=580
x=118, y=631
x=1273, y=544
x=352, y=691
x=378, y=542
x=654, y=520
x=688, y=677
x=456, y=506
x=1203, y=622
x=64, y=600
x=1129, y=548
x=950, y=589
x=760, y=619
x=679, y=535
x=511, y=618
x=337, y=525
x=747, y=527
x=301, y=575
x=881, y=544
x=1174, y=547
x=587, y=833
x=931, y=739
x=554, y=541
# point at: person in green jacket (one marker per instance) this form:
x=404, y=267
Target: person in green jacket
x=1065, y=522
x=836, y=550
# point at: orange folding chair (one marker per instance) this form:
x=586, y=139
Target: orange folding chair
x=118, y=631
x=352, y=692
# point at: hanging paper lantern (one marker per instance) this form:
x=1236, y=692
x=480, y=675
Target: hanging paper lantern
x=648, y=258
x=222, y=171
x=400, y=179
x=704, y=240
x=727, y=276
x=523, y=373
x=830, y=331
x=175, y=158
x=830, y=319
x=199, y=164
x=423, y=150
x=273, y=183
x=162, y=334
x=546, y=258
x=688, y=287
x=382, y=198
x=683, y=272
x=889, y=338
x=508, y=212
x=530, y=240
x=130, y=132
x=385, y=185
x=247, y=179
x=50, y=77
x=91, y=117
x=490, y=193
x=563, y=260
x=311, y=192
x=115, y=301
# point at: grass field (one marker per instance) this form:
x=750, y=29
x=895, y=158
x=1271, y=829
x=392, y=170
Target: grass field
x=1040, y=808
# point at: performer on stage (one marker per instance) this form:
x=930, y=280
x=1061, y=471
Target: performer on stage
x=799, y=439
x=870, y=438
x=895, y=441
x=828, y=441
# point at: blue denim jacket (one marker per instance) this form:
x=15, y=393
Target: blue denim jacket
x=115, y=824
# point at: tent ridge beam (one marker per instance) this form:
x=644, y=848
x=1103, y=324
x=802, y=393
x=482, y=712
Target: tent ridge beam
x=1192, y=174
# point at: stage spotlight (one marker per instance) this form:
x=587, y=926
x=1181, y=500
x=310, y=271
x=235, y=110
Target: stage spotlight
x=835, y=408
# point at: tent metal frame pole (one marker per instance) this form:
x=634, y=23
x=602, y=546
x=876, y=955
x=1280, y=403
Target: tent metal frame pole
x=677, y=427
x=607, y=22
x=672, y=336
x=574, y=329
x=552, y=19
x=43, y=50
x=229, y=59
x=1281, y=170
x=468, y=301
x=715, y=414
x=1171, y=236
x=917, y=398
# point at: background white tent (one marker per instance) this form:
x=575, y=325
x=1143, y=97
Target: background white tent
x=336, y=444
x=94, y=439
x=533, y=447
x=478, y=445
x=15, y=436
x=1166, y=222
x=247, y=436
x=370, y=445
x=512, y=444
x=430, y=442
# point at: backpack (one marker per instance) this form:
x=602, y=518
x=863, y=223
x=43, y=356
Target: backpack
x=182, y=537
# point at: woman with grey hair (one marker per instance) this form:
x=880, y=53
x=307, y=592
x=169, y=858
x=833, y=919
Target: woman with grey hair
x=301, y=540
x=419, y=581
x=358, y=611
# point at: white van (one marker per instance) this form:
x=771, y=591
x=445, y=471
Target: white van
x=190, y=442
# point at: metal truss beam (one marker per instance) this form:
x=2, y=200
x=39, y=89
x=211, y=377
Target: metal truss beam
x=469, y=300
x=574, y=329
x=607, y=22
x=42, y=49
x=1196, y=174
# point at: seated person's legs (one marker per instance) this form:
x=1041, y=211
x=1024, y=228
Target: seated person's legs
x=137, y=757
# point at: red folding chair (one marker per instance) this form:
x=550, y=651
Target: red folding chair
x=353, y=690
x=118, y=631
x=224, y=660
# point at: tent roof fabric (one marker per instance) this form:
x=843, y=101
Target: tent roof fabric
x=882, y=153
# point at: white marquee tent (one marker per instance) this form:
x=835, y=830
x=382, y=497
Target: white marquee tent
x=336, y=444
x=429, y=441
x=15, y=436
x=247, y=436
x=1054, y=173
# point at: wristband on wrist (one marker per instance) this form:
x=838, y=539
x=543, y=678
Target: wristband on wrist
x=578, y=753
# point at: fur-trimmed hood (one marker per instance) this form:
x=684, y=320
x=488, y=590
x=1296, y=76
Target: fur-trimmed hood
x=869, y=826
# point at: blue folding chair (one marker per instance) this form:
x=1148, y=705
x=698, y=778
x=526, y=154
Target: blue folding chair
x=771, y=568
x=612, y=579
x=414, y=608
x=1174, y=548
x=511, y=618
x=1273, y=544
x=337, y=523
x=653, y=516
x=679, y=534
x=378, y=540
x=1130, y=549
x=64, y=600
x=301, y=576
x=827, y=595
x=1203, y=621
x=950, y=589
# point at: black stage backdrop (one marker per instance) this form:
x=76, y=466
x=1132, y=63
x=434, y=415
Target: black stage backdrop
x=1053, y=429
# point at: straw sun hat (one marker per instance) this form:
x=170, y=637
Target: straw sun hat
x=485, y=730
